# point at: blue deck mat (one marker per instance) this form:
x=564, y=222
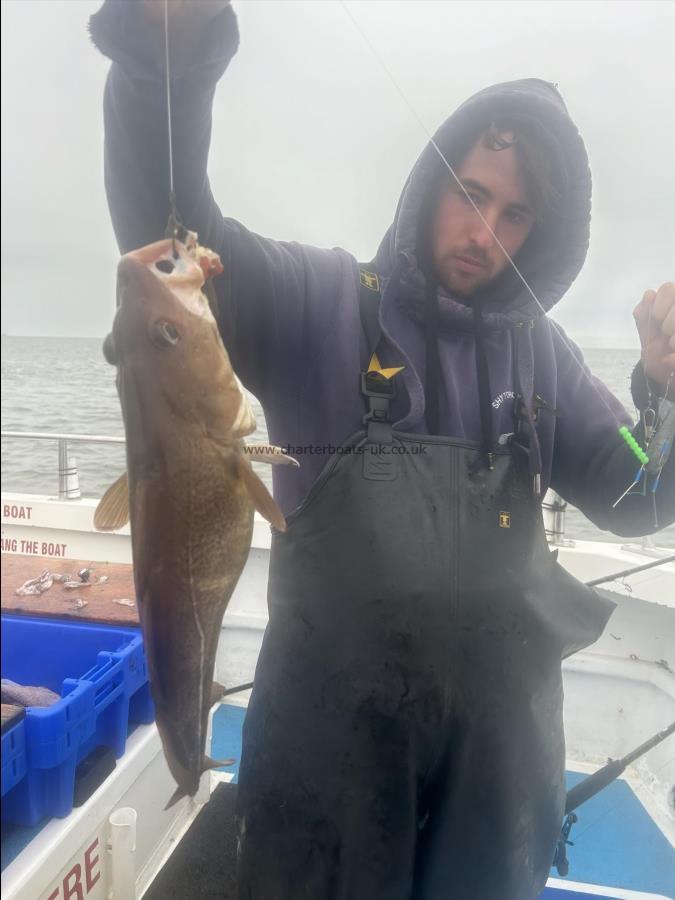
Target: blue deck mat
x=617, y=844
x=226, y=736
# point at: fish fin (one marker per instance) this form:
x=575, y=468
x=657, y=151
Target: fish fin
x=262, y=499
x=208, y=763
x=177, y=795
x=217, y=691
x=217, y=763
x=266, y=453
x=244, y=422
x=113, y=510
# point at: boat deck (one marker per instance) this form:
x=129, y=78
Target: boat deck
x=616, y=843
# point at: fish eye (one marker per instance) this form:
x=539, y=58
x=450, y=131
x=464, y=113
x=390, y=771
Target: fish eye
x=165, y=265
x=164, y=334
x=109, y=351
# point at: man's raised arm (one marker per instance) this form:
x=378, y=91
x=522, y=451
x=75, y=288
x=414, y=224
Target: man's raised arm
x=274, y=298
x=203, y=38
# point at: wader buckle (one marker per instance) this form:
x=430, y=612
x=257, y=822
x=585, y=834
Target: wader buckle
x=375, y=385
x=379, y=391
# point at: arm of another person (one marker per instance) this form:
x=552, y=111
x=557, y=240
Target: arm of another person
x=263, y=296
x=592, y=464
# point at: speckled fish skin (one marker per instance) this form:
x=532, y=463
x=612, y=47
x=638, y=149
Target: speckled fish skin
x=185, y=414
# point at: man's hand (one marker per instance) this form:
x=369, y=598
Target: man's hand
x=655, y=320
x=188, y=21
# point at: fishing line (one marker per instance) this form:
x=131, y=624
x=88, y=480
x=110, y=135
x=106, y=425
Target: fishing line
x=168, y=91
x=433, y=143
x=175, y=222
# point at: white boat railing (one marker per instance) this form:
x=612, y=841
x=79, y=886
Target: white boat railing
x=69, y=481
x=553, y=507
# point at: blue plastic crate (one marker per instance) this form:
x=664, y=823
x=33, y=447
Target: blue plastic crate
x=13, y=756
x=101, y=674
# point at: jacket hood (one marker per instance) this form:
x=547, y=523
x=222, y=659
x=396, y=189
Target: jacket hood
x=555, y=252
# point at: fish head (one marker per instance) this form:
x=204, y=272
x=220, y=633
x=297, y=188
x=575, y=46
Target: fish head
x=164, y=325
x=165, y=340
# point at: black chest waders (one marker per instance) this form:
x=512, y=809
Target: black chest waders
x=404, y=738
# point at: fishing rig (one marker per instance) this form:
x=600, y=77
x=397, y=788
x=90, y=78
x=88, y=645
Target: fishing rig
x=658, y=421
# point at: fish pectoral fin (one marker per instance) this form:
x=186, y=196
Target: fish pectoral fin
x=216, y=763
x=262, y=499
x=244, y=420
x=266, y=453
x=113, y=510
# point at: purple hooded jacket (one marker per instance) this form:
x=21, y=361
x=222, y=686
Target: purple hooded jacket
x=289, y=313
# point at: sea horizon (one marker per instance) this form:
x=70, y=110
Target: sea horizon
x=62, y=384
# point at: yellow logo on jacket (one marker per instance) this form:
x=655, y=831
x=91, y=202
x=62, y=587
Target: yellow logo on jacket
x=369, y=280
x=376, y=366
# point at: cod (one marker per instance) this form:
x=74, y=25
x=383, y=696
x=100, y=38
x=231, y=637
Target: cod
x=189, y=491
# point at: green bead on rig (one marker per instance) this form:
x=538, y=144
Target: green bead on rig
x=633, y=444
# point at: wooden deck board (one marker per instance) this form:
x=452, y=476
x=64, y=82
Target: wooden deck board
x=57, y=602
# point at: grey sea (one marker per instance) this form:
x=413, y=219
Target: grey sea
x=64, y=385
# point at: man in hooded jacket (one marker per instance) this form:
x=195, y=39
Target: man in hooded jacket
x=404, y=736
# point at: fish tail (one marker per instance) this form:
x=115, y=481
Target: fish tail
x=181, y=791
x=177, y=795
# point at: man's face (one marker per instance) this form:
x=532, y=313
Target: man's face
x=466, y=255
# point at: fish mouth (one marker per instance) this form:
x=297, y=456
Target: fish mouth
x=158, y=278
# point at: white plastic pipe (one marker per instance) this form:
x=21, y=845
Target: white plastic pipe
x=123, y=853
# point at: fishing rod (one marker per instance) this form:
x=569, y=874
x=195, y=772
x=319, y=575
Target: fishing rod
x=238, y=689
x=591, y=786
x=625, y=572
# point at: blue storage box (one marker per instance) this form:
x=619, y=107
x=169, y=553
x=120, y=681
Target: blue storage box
x=101, y=674
x=13, y=756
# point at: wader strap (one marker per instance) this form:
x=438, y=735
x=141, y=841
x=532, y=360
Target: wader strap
x=377, y=390
x=369, y=307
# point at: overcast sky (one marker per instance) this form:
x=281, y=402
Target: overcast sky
x=313, y=143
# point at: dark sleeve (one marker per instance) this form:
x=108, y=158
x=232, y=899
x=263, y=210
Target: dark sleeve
x=136, y=155
x=592, y=464
x=263, y=295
